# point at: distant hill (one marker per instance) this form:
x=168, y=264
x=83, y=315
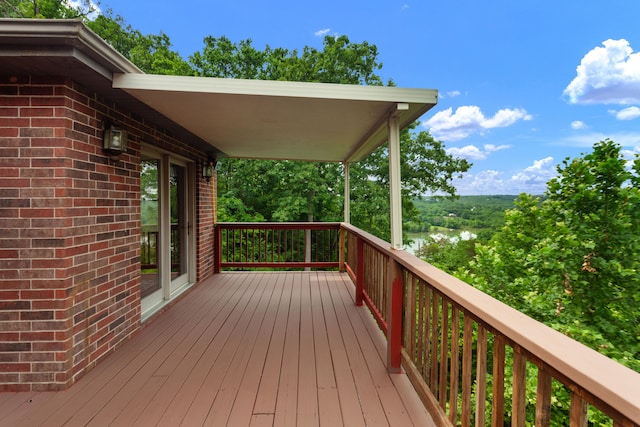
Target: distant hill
x=467, y=212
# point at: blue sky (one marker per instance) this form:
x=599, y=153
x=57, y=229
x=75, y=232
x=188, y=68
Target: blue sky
x=523, y=84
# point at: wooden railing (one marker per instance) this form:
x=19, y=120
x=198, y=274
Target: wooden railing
x=149, y=247
x=456, y=344
x=277, y=245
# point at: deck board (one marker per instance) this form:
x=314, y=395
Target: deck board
x=240, y=349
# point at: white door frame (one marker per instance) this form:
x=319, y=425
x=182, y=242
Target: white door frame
x=169, y=289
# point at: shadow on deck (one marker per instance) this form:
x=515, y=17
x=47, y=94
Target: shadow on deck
x=241, y=349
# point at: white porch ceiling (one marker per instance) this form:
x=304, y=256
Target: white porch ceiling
x=279, y=120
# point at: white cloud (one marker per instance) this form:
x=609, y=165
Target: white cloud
x=471, y=152
x=630, y=155
x=537, y=174
x=607, y=75
x=625, y=139
x=323, y=32
x=469, y=119
x=453, y=93
x=532, y=180
x=577, y=124
x=628, y=113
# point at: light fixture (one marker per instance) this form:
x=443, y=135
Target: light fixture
x=114, y=141
x=208, y=168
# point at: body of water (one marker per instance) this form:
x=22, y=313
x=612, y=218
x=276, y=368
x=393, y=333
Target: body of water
x=419, y=239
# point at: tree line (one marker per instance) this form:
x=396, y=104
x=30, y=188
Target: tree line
x=257, y=190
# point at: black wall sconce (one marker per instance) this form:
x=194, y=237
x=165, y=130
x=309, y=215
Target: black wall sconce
x=209, y=168
x=114, y=141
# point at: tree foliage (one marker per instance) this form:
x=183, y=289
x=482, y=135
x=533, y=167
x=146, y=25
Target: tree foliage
x=571, y=261
x=483, y=214
x=295, y=191
x=151, y=53
x=425, y=168
x=281, y=191
x=51, y=9
x=339, y=61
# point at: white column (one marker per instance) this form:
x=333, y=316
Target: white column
x=347, y=193
x=395, y=179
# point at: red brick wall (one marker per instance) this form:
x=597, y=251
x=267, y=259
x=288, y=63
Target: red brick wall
x=205, y=218
x=70, y=231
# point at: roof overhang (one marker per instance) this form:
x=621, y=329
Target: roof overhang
x=220, y=117
x=280, y=120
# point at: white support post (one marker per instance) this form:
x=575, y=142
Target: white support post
x=395, y=193
x=347, y=193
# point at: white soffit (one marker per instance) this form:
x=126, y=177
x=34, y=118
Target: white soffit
x=279, y=120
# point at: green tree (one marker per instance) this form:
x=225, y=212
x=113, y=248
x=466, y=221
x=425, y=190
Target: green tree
x=340, y=61
x=571, y=261
x=425, y=168
x=284, y=191
x=51, y=9
x=295, y=191
x=151, y=53
x=280, y=190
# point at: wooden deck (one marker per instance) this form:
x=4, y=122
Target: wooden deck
x=241, y=349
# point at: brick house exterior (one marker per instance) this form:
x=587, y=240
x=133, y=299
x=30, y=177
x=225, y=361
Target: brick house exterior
x=74, y=284
x=69, y=214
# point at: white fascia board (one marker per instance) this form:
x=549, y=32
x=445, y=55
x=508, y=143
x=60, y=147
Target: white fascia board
x=274, y=88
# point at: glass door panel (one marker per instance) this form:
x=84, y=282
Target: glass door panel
x=149, y=233
x=179, y=226
x=167, y=249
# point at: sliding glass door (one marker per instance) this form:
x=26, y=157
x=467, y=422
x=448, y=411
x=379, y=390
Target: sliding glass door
x=149, y=227
x=167, y=244
x=180, y=226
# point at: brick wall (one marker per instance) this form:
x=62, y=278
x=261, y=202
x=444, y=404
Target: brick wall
x=205, y=219
x=70, y=231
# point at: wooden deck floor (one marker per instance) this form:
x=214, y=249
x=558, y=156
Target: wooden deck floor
x=241, y=349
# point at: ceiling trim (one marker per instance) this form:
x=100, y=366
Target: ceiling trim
x=324, y=109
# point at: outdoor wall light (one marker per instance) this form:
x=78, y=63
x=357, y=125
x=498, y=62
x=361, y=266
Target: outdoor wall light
x=208, y=168
x=114, y=141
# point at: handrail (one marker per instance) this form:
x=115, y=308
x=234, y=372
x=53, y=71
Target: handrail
x=277, y=245
x=444, y=322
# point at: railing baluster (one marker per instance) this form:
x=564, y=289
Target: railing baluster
x=519, y=403
x=435, y=301
x=428, y=327
x=394, y=317
x=543, y=399
x=455, y=364
x=481, y=376
x=360, y=279
x=497, y=408
x=579, y=408
x=277, y=242
x=444, y=352
x=341, y=249
x=422, y=328
x=467, y=361
x=410, y=316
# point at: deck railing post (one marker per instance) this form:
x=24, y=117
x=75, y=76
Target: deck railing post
x=359, y=272
x=341, y=249
x=217, y=245
x=394, y=317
